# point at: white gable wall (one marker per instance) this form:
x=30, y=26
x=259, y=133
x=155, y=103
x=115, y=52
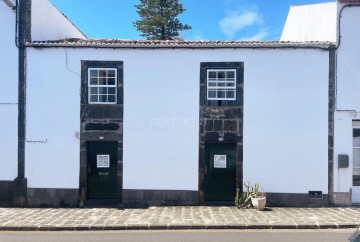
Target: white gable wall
x=8, y=94
x=348, y=94
x=285, y=117
x=314, y=22
x=47, y=23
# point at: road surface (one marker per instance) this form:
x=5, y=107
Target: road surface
x=182, y=236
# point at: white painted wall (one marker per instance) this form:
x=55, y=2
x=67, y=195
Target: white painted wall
x=48, y=23
x=313, y=22
x=285, y=125
x=286, y=120
x=348, y=88
x=8, y=94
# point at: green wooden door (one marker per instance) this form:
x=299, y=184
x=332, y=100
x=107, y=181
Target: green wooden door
x=102, y=170
x=220, y=172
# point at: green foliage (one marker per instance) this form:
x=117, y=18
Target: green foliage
x=159, y=19
x=243, y=200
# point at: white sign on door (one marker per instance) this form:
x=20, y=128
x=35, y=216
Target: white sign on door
x=219, y=161
x=103, y=161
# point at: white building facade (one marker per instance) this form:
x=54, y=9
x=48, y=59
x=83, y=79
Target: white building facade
x=166, y=122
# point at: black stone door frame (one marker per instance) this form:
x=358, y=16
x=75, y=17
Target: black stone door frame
x=221, y=124
x=101, y=122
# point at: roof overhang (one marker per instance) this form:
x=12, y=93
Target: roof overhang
x=10, y=3
x=171, y=44
x=349, y=1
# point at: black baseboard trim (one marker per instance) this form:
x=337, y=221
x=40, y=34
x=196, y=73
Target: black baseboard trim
x=295, y=200
x=52, y=197
x=6, y=193
x=159, y=197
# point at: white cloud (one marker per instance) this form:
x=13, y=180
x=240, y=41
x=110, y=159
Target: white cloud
x=237, y=21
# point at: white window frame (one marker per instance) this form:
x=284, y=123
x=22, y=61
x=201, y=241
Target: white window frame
x=356, y=125
x=102, y=86
x=98, y=160
x=219, y=88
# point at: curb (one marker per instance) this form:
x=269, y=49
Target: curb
x=181, y=227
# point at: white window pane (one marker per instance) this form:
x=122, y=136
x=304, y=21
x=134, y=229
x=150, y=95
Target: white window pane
x=93, y=81
x=111, y=81
x=356, y=177
x=230, y=94
x=111, y=98
x=221, y=84
x=103, y=90
x=103, y=98
x=93, y=90
x=230, y=74
x=94, y=98
x=356, y=157
x=212, y=84
x=111, y=90
x=212, y=74
x=102, y=81
x=356, y=137
x=93, y=73
x=221, y=94
x=356, y=171
x=230, y=84
x=212, y=94
x=111, y=73
x=102, y=73
x=221, y=74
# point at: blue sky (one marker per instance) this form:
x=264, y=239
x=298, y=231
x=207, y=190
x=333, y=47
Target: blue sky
x=210, y=19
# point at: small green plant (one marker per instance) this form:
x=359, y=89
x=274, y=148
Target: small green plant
x=243, y=200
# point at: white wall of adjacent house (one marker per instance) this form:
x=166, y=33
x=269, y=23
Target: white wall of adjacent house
x=313, y=22
x=348, y=98
x=8, y=94
x=48, y=23
x=285, y=116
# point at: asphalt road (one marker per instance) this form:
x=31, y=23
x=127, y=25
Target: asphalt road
x=182, y=236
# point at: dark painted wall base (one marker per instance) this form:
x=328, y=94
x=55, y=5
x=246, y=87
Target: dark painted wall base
x=19, y=190
x=6, y=193
x=49, y=197
x=295, y=200
x=159, y=197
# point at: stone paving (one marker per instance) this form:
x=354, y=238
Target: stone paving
x=30, y=219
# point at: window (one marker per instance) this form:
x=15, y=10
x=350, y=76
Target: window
x=103, y=161
x=356, y=156
x=221, y=84
x=102, y=85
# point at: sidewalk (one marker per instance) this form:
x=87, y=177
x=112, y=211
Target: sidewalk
x=159, y=218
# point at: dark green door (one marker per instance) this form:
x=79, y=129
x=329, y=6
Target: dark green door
x=102, y=170
x=220, y=172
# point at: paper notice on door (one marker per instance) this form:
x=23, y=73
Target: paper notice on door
x=103, y=161
x=219, y=161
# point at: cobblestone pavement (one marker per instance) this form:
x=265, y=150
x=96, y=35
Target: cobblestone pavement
x=29, y=219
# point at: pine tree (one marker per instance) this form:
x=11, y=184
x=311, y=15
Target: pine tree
x=159, y=19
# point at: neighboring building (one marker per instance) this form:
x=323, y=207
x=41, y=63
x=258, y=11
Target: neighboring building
x=187, y=122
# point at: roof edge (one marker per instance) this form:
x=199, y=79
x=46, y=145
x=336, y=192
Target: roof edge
x=144, y=44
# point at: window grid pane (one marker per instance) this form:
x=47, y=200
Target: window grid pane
x=356, y=157
x=221, y=84
x=102, y=86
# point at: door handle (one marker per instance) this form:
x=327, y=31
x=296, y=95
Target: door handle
x=103, y=173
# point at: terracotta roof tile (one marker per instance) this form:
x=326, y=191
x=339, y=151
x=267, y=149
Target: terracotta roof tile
x=118, y=43
x=349, y=1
